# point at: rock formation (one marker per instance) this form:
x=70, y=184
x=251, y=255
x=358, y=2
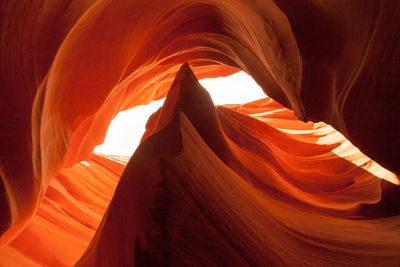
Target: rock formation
x=240, y=174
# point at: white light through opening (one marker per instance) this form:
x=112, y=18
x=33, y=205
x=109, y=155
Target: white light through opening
x=127, y=128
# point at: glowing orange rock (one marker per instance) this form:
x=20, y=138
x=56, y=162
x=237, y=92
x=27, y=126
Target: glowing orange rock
x=68, y=67
x=68, y=216
x=185, y=199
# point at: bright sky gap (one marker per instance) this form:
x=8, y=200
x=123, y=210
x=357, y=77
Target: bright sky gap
x=127, y=128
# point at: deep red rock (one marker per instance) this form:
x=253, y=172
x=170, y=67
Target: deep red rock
x=183, y=200
x=67, y=68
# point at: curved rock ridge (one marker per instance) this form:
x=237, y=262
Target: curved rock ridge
x=68, y=67
x=71, y=210
x=304, y=166
x=248, y=200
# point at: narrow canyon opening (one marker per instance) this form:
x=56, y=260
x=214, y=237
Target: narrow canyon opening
x=303, y=173
x=126, y=129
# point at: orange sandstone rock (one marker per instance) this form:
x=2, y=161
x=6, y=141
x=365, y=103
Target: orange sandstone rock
x=185, y=200
x=68, y=67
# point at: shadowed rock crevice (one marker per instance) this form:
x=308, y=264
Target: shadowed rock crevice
x=180, y=201
x=68, y=67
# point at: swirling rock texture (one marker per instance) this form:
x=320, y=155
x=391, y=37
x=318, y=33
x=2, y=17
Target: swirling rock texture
x=231, y=185
x=68, y=216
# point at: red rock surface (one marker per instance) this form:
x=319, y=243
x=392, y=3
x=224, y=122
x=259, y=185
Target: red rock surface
x=68, y=216
x=218, y=188
x=68, y=67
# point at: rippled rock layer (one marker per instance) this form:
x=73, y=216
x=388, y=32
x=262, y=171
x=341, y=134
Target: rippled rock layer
x=68, y=67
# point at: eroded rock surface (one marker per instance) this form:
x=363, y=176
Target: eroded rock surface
x=249, y=199
x=68, y=67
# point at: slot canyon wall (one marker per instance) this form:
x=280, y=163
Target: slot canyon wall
x=261, y=186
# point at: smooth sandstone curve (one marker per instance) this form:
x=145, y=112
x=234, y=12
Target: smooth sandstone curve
x=67, y=68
